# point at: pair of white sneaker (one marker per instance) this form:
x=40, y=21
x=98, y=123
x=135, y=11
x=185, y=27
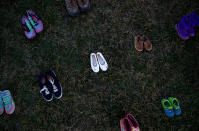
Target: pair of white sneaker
x=98, y=61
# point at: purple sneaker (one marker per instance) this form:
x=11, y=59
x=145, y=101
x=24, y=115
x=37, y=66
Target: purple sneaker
x=8, y=101
x=35, y=21
x=182, y=32
x=28, y=30
x=1, y=105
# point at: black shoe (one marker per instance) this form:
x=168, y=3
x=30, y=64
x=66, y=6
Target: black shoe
x=45, y=87
x=56, y=86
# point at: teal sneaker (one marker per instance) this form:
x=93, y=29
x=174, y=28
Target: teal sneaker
x=1, y=105
x=175, y=104
x=8, y=101
x=168, y=108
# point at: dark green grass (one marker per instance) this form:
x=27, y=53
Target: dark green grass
x=135, y=82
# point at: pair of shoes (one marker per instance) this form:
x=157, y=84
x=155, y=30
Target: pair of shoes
x=49, y=85
x=185, y=27
x=98, y=61
x=171, y=106
x=142, y=41
x=72, y=6
x=129, y=123
x=7, y=102
x=31, y=24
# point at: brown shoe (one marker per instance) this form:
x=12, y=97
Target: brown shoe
x=84, y=5
x=147, y=43
x=72, y=8
x=138, y=43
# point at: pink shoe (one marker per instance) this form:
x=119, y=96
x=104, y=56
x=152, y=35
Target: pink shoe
x=8, y=101
x=124, y=125
x=27, y=28
x=133, y=122
x=35, y=21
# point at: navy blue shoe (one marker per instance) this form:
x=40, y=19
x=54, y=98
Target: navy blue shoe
x=45, y=88
x=56, y=86
x=84, y=5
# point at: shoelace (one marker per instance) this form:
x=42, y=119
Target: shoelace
x=6, y=98
x=28, y=25
x=32, y=21
x=46, y=90
x=53, y=83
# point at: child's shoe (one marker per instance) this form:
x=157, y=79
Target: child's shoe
x=45, y=88
x=84, y=5
x=35, y=21
x=1, y=105
x=102, y=61
x=176, y=105
x=168, y=108
x=182, y=32
x=56, y=86
x=8, y=101
x=147, y=43
x=94, y=62
x=138, y=43
x=134, y=124
x=28, y=30
x=125, y=125
x=72, y=8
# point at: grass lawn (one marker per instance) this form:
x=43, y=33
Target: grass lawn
x=135, y=81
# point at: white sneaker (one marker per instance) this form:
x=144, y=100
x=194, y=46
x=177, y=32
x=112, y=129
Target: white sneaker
x=102, y=62
x=94, y=62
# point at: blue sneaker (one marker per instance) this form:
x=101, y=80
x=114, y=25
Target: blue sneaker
x=45, y=88
x=56, y=86
x=176, y=105
x=168, y=108
x=182, y=30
